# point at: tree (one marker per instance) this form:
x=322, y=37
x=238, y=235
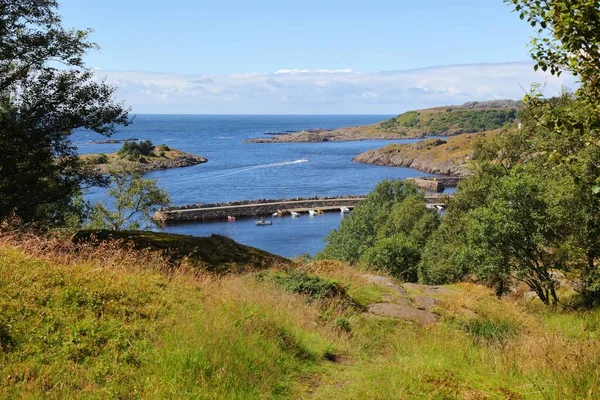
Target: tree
x=358, y=231
x=397, y=255
x=135, y=198
x=40, y=105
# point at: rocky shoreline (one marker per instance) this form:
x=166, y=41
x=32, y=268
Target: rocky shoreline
x=345, y=134
x=435, y=156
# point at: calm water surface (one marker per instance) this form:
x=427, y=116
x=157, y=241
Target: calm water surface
x=241, y=171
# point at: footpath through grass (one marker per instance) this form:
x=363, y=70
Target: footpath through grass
x=108, y=322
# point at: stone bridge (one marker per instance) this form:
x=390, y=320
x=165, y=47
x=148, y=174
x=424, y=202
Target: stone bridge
x=264, y=207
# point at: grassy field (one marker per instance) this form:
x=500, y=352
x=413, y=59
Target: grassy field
x=107, y=320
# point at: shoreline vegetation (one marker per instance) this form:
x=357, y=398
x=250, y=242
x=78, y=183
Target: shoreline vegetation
x=472, y=117
x=155, y=158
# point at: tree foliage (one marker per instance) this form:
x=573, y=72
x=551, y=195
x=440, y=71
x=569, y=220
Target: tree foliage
x=135, y=199
x=385, y=232
x=522, y=216
x=40, y=105
x=133, y=151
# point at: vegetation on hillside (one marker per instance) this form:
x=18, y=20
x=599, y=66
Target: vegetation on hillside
x=134, y=200
x=450, y=121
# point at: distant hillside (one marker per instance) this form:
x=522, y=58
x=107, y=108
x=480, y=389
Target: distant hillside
x=470, y=117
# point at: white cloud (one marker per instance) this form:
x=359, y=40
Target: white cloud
x=321, y=91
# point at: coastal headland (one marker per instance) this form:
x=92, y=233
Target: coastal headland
x=472, y=117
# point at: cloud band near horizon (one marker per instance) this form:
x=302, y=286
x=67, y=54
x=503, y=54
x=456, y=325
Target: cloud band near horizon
x=298, y=91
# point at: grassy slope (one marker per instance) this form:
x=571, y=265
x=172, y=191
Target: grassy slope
x=106, y=322
x=449, y=121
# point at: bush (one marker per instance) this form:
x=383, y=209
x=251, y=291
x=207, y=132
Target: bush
x=133, y=151
x=164, y=147
x=396, y=255
x=310, y=285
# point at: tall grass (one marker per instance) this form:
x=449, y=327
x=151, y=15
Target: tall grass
x=79, y=321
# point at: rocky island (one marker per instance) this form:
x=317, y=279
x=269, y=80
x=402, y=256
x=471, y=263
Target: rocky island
x=435, y=156
x=148, y=157
x=470, y=117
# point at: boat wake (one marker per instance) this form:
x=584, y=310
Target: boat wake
x=252, y=168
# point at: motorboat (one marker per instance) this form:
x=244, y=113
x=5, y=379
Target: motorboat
x=275, y=214
x=295, y=214
x=230, y=218
x=263, y=222
x=312, y=213
x=344, y=210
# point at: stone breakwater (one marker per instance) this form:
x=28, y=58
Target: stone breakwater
x=254, y=208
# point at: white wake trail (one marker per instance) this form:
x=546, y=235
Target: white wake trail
x=253, y=167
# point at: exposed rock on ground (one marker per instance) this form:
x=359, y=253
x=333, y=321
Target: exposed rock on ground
x=413, y=302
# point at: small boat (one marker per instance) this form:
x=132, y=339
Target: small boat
x=312, y=213
x=304, y=159
x=230, y=218
x=344, y=210
x=295, y=214
x=275, y=214
x=263, y=222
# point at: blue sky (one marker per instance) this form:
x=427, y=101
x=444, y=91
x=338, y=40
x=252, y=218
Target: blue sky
x=229, y=53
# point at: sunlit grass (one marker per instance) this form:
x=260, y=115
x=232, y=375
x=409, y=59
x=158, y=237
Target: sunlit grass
x=102, y=322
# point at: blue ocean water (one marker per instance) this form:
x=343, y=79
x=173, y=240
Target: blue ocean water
x=240, y=171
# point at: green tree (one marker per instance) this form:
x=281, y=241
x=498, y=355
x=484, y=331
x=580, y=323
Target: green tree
x=358, y=231
x=40, y=105
x=135, y=198
x=397, y=255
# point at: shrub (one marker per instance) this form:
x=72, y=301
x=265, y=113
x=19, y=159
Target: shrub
x=310, y=285
x=164, y=147
x=396, y=255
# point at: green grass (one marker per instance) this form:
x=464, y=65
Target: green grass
x=100, y=321
x=310, y=285
x=489, y=330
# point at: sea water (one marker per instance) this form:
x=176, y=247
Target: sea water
x=241, y=171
